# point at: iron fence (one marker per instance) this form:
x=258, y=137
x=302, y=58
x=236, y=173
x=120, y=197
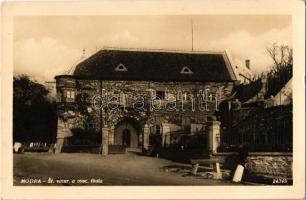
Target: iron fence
x=264, y=130
x=186, y=140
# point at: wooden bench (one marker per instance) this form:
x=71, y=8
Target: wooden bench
x=214, y=162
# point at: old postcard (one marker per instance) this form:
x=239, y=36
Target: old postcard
x=159, y=100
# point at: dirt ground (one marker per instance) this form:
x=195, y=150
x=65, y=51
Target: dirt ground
x=94, y=169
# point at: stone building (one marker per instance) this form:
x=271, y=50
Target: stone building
x=128, y=94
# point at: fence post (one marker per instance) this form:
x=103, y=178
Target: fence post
x=165, y=132
x=111, y=135
x=59, y=145
x=63, y=131
x=145, y=137
x=105, y=131
x=213, y=139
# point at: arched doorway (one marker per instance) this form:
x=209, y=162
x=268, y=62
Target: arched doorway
x=126, y=134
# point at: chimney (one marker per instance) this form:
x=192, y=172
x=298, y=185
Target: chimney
x=247, y=63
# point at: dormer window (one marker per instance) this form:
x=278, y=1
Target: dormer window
x=160, y=95
x=121, y=68
x=186, y=70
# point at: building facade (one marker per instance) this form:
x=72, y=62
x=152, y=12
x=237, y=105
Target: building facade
x=131, y=94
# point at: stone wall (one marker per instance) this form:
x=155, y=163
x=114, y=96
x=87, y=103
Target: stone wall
x=271, y=165
x=186, y=108
x=132, y=100
x=83, y=114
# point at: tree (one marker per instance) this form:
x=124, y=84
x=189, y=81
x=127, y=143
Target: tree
x=282, y=70
x=34, y=116
x=281, y=56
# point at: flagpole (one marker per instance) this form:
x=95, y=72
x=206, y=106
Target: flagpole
x=191, y=35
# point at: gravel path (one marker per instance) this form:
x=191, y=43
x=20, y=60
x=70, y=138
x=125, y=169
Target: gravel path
x=94, y=169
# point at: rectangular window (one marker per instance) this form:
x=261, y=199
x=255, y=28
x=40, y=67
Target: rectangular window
x=122, y=99
x=160, y=95
x=151, y=93
x=70, y=96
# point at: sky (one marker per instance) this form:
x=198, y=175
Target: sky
x=46, y=46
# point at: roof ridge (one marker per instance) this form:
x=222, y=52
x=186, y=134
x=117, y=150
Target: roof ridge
x=162, y=50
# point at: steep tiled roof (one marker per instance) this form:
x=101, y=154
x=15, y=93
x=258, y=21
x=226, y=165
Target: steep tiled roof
x=152, y=65
x=247, y=92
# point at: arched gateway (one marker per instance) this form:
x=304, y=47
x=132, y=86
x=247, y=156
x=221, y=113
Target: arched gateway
x=127, y=134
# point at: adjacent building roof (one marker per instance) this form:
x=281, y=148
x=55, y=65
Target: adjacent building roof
x=130, y=64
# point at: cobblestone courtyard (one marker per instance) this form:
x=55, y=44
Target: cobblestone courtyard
x=94, y=169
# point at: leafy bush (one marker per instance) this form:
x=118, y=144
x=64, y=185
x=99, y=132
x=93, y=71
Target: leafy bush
x=34, y=115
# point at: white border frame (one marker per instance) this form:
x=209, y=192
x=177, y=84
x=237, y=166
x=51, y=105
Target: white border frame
x=141, y=7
